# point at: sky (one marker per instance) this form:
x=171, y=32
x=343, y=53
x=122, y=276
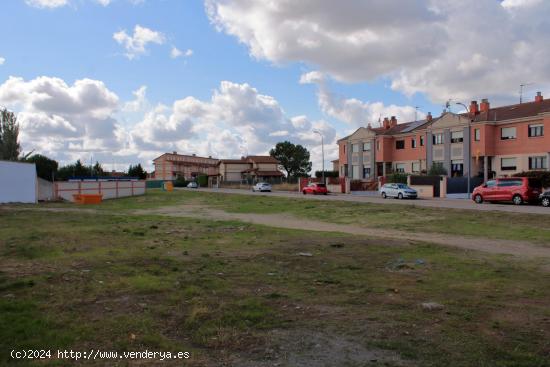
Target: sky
x=123, y=81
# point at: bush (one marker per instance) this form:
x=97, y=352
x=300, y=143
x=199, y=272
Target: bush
x=437, y=169
x=544, y=176
x=397, y=177
x=319, y=174
x=181, y=182
x=202, y=180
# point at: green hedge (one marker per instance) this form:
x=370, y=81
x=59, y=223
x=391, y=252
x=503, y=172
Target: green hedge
x=397, y=177
x=544, y=176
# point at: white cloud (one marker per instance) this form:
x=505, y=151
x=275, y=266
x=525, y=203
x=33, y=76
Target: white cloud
x=136, y=44
x=62, y=120
x=175, y=53
x=237, y=121
x=47, y=3
x=139, y=103
x=444, y=48
x=2, y=60
x=352, y=111
x=103, y=2
x=79, y=120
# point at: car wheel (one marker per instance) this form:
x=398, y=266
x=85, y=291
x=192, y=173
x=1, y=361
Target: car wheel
x=478, y=199
x=304, y=192
x=546, y=202
x=400, y=196
x=384, y=195
x=517, y=200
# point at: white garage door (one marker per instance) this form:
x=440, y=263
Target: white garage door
x=17, y=182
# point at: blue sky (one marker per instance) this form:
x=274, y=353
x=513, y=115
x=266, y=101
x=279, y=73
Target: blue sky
x=351, y=81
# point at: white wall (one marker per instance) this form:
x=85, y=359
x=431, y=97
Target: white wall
x=17, y=182
x=109, y=189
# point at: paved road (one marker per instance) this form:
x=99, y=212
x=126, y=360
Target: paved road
x=433, y=203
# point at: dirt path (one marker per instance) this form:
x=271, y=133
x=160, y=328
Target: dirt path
x=494, y=246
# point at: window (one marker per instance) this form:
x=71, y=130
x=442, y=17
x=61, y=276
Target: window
x=509, y=183
x=507, y=133
x=536, y=130
x=377, y=145
x=413, y=143
x=537, y=163
x=508, y=164
x=366, y=147
x=438, y=139
x=400, y=167
x=457, y=136
x=491, y=183
x=366, y=172
x=477, y=134
x=344, y=149
x=422, y=141
x=400, y=144
x=346, y=171
x=355, y=148
x=416, y=166
x=457, y=168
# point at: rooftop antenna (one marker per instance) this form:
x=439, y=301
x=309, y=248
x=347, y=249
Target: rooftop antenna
x=379, y=120
x=416, y=113
x=521, y=91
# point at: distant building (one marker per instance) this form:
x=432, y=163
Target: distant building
x=170, y=166
x=255, y=168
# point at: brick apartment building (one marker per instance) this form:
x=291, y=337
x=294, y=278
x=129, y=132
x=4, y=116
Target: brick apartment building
x=503, y=141
x=255, y=167
x=170, y=166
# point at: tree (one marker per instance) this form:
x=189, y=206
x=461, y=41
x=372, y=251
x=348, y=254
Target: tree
x=97, y=170
x=294, y=159
x=437, y=169
x=74, y=170
x=9, y=134
x=137, y=171
x=46, y=168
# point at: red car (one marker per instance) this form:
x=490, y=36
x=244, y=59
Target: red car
x=315, y=189
x=517, y=190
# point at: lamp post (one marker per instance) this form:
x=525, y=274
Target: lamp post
x=322, y=151
x=469, y=146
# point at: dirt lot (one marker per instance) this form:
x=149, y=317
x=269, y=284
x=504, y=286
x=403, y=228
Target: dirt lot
x=234, y=287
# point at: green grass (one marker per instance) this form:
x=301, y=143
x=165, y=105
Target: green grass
x=84, y=280
x=497, y=225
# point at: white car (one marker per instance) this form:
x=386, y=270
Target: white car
x=261, y=187
x=192, y=185
x=398, y=190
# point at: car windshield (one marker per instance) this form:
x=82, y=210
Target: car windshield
x=402, y=186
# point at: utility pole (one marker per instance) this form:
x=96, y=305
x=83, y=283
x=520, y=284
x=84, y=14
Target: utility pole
x=322, y=151
x=470, y=119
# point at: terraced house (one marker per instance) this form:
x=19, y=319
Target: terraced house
x=502, y=141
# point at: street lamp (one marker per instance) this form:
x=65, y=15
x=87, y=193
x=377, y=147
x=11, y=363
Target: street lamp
x=322, y=151
x=469, y=146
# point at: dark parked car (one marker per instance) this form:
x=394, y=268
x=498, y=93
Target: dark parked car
x=518, y=190
x=545, y=199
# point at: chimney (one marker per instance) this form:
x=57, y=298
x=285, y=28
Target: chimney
x=393, y=122
x=194, y=155
x=386, y=123
x=474, y=108
x=484, y=106
x=369, y=126
x=174, y=152
x=539, y=97
x=429, y=117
